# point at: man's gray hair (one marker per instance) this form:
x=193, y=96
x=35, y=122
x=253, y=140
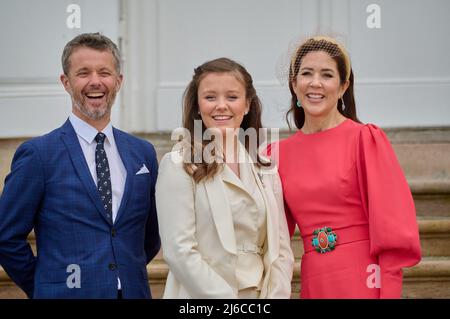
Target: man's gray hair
x=94, y=41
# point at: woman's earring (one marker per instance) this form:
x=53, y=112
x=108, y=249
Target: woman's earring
x=298, y=104
x=342, y=104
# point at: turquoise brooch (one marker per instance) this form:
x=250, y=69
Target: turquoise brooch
x=324, y=240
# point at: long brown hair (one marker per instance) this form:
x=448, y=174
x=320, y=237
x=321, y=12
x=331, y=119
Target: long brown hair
x=338, y=54
x=252, y=119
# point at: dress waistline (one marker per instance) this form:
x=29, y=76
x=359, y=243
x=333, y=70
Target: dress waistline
x=250, y=248
x=344, y=236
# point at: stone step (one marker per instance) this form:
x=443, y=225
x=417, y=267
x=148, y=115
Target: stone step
x=424, y=153
x=431, y=197
x=429, y=279
x=434, y=237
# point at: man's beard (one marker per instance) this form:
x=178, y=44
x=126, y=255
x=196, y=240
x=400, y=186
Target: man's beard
x=94, y=114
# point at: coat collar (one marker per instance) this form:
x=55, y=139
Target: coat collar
x=221, y=212
x=72, y=144
x=222, y=215
x=123, y=148
x=264, y=180
x=88, y=132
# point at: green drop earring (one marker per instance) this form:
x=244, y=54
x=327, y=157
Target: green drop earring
x=298, y=104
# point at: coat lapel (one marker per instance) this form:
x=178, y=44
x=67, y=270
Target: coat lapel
x=264, y=183
x=222, y=215
x=221, y=212
x=72, y=144
x=124, y=152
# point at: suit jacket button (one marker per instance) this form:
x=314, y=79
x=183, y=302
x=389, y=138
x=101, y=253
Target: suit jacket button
x=113, y=232
x=112, y=266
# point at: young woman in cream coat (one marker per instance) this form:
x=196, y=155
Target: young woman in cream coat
x=222, y=222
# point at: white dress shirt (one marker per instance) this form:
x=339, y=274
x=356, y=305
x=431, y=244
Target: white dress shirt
x=86, y=136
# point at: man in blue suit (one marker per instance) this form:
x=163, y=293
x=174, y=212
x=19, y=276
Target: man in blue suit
x=87, y=189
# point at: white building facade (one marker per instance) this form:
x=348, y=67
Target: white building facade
x=399, y=52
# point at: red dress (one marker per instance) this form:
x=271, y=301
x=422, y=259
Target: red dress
x=348, y=178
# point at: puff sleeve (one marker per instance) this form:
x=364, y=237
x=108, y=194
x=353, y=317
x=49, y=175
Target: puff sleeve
x=389, y=207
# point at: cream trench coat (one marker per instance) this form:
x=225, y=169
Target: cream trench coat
x=198, y=238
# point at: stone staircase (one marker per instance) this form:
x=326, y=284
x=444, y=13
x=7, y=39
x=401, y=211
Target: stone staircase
x=425, y=158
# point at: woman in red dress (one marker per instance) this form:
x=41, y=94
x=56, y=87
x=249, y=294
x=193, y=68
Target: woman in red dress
x=343, y=185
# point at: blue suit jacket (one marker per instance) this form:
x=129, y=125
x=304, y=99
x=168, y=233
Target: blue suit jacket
x=51, y=190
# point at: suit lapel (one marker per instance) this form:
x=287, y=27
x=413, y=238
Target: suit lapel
x=221, y=212
x=124, y=152
x=72, y=144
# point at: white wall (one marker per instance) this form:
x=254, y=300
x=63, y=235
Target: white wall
x=402, y=69
x=33, y=35
x=251, y=32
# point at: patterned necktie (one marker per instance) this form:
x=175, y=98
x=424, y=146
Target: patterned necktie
x=103, y=175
